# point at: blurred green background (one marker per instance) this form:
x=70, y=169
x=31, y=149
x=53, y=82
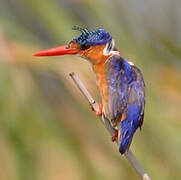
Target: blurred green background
x=47, y=130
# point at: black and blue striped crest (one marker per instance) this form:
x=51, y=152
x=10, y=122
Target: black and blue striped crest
x=97, y=37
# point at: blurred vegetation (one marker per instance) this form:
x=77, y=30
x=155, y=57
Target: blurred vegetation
x=47, y=130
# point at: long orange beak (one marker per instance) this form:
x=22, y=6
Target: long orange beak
x=60, y=50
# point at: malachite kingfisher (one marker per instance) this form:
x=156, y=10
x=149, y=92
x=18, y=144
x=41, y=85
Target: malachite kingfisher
x=120, y=82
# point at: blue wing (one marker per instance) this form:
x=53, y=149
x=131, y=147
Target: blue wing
x=126, y=95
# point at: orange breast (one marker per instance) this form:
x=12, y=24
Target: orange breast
x=99, y=70
x=96, y=56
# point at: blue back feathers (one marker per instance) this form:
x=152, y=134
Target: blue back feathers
x=97, y=37
x=126, y=94
x=129, y=126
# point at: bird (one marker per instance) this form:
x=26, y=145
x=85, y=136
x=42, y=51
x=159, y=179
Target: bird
x=121, y=83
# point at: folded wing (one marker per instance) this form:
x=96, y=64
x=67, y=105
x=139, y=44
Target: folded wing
x=126, y=98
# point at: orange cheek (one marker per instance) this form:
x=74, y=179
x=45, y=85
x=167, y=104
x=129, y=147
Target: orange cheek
x=74, y=45
x=94, y=53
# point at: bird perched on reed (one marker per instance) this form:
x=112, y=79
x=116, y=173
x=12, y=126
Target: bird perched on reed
x=121, y=83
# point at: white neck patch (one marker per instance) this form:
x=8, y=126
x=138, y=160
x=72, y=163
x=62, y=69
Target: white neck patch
x=131, y=63
x=108, y=50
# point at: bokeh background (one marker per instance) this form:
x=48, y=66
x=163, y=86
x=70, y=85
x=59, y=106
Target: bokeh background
x=47, y=130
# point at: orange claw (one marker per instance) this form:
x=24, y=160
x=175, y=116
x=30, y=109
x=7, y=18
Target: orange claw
x=99, y=113
x=115, y=136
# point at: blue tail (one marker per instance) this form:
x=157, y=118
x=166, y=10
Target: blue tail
x=128, y=128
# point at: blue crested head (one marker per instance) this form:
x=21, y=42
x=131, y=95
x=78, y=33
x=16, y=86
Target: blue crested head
x=97, y=37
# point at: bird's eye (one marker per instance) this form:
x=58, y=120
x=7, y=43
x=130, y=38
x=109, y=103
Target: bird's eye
x=85, y=46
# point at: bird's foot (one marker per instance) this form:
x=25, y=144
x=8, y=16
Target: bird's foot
x=115, y=136
x=98, y=113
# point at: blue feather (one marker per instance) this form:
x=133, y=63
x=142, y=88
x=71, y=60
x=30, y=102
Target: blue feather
x=129, y=126
x=98, y=37
x=126, y=95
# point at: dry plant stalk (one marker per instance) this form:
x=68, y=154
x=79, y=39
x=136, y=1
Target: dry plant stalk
x=128, y=154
